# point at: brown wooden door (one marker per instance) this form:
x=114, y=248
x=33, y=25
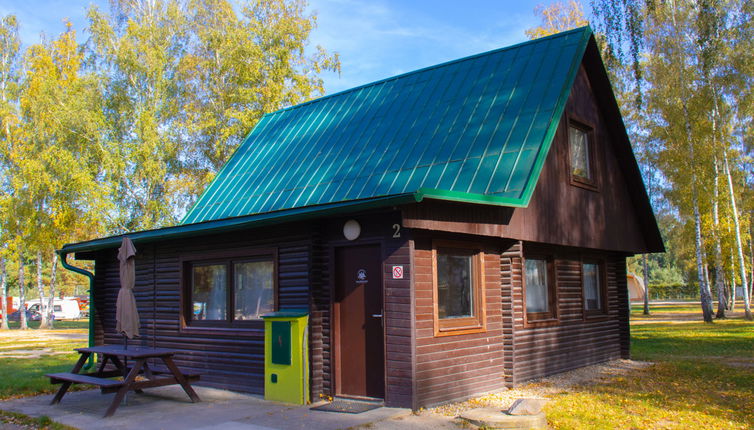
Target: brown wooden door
x=358, y=308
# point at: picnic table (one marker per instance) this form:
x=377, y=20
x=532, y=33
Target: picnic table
x=128, y=381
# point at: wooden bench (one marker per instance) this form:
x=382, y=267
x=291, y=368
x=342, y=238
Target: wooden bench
x=76, y=378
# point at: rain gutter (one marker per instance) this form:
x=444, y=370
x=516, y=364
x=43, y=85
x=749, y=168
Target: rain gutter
x=90, y=275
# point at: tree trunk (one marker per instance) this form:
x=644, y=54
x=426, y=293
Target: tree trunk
x=739, y=246
x=53, y=279
x=4, y=290
x=732, y=282
x=751, y=254
x=646, y=284
x=22, y=292
x=704, y=292
x=43, y=309
x=719, y=271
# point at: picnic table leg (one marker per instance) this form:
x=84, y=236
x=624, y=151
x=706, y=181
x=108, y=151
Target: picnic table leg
x=181, y=379
x=125, y=388
x=118, y=364
x=66, y=385
x=102, y=365
x=122, y=367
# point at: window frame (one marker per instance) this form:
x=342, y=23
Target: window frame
x=458, y=326
x=553, y=315
x=228, y=258
x=602, y=279
x=576, y=180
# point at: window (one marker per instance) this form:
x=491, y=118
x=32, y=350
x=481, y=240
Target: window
x=458, y=292
x=593, y=288
x=581, y=155
x=229, y=291
x=540, y=290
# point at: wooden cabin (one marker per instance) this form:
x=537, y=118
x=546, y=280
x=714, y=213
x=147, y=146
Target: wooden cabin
x=451, y=231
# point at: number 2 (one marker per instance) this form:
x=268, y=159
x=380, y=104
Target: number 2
x=397, y=232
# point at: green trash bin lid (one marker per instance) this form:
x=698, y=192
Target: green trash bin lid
x=292, y=313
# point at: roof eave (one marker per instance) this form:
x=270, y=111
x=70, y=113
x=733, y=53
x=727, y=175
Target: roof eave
x=242, y=222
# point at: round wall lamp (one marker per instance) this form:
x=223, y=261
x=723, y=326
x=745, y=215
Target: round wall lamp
x=351, y=229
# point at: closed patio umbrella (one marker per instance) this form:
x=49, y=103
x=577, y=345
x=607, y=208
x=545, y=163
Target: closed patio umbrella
x=126, y=314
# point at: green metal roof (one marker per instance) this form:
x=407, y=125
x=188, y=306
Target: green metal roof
x=476, y=129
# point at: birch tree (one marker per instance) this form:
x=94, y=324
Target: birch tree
x=557, y=17
x=22, y=291
x=4, y=292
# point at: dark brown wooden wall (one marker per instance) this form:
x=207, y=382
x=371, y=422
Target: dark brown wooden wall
x=576, y=340
x=558, y=213
x=564, y=214
x=398, y=304
x=456, y=366
x=226, y=359
x=234, y=359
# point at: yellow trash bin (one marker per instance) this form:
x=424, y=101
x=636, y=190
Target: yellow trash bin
x=286, y=356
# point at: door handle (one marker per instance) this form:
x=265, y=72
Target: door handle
x=376, y=315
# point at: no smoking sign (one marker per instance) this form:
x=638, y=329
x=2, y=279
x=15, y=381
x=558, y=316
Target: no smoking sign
x=397, y=272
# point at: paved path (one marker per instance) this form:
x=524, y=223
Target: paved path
x=169, y=408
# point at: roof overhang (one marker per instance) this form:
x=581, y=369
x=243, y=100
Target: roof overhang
x=240, y=223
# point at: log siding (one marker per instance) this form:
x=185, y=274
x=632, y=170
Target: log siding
x=577, y=339
x=226, y=358
x=453, y=367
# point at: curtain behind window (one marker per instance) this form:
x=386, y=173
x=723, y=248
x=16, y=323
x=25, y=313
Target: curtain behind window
x=536, y=286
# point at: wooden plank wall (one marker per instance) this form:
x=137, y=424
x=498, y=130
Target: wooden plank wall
x=231, y=359
x=458, y=366
x=576, y=340
x=398, y=322
x=398, y=304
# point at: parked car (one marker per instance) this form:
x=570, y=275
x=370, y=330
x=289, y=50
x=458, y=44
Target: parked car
x=31, y=315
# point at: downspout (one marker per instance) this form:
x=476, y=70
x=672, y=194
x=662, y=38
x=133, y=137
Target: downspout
x=90, y=275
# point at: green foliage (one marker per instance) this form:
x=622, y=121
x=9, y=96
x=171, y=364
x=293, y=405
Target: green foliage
x=673, y=291
x=121, y=133
x=688, y=110
x=184, y=82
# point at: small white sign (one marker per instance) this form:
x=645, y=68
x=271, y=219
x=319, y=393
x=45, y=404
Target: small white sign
x=397, y=272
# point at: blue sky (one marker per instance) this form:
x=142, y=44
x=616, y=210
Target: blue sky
x=375, y=38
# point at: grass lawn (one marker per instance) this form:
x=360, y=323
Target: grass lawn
x=703, y=378
x=68, y=325
x=26, y=356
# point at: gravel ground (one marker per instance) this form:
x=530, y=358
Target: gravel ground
x=545, y=387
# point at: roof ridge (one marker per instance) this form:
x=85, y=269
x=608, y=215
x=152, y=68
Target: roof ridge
x=585, y=28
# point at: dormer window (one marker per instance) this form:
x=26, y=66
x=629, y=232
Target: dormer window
x=581, y=155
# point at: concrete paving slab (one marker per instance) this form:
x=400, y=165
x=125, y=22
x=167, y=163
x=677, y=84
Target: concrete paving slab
x=170, y=408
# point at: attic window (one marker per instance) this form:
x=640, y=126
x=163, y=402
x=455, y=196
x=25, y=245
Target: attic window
x=580, y=146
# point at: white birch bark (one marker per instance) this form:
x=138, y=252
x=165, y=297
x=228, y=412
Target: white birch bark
x=22, y=292
x=732, y=281
x=4, y=290
x=43, y=309
x=719, y=271
x=53, y=288
x=739, y=246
